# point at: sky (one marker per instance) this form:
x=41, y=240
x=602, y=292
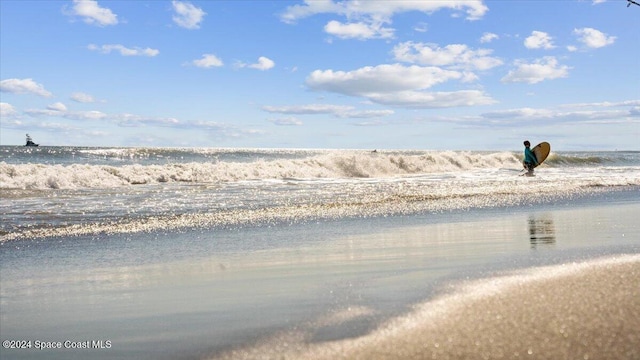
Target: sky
x=394, y=74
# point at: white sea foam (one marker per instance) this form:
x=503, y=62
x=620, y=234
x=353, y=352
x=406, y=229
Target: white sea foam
x=331, y=165
x=65, y=195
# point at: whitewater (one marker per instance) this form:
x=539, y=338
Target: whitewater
x=67, y=191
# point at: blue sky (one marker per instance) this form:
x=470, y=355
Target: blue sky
x=461, y=75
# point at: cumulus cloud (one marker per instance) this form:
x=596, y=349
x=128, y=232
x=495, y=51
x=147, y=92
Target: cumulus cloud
x=7, y=110
x=82, y=97
x=187, y=15
x=208, y=61
x=475, y=9
x=539, y=40
x=432, y=100
x=397, y=85
x=57, y=107
x=365, y=114
x=264, y=63
x=488, y=37
x=358, y=30
x=546, y=68
x=454, y=55
x=593, y=38
x=23, y=86
x=286, y=121
x=123, y=50
x=377, y=79
x=309, y=109
x=367, y=19
x=92, y=13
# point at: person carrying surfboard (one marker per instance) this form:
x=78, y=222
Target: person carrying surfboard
x=530, y=160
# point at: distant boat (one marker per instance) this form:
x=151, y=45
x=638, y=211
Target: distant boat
x=30, y=141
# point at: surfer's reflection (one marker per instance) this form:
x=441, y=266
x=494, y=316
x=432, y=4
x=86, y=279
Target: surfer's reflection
x=541, y=231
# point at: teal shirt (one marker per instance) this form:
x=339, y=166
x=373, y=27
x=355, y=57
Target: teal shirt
x=530, y=157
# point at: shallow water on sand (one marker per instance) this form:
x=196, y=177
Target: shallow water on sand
x=197, y=293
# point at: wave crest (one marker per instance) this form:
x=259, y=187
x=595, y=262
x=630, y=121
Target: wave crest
x=332, y=165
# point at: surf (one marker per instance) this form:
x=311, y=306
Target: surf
x=338, y=164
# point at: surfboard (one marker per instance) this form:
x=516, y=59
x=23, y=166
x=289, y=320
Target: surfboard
x=541, y=151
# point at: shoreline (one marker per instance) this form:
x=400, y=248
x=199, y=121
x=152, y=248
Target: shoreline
x=589, y=309
x=327, y=284
x=408, y=205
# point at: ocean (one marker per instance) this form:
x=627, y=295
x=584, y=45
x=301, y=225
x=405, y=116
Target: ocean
x=62, y=191
x=207, y=253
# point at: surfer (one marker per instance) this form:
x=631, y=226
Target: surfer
x=530, y=160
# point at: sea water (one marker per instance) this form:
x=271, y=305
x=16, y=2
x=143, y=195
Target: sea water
x=188, y=253
x=62, y=191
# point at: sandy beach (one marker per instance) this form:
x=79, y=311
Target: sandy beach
x=555, y=281
x=588, y=310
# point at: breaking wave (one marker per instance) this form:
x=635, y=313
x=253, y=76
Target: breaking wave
x=324, y=166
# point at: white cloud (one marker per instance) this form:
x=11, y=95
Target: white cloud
x=469, y=77
x=379, y=79
x=366, y=19
x=488, y=37
x=123, y=50
x=522, y=113
x=432, y=100
x=606, y=104
x=358, y=30
x=287, y=121
x=86, y=115
x=475, y=9
x=556, y=115
x=398, y=85
x=365, y=114
x=539, y=40
x=131, y=120
x=309, y=109
x=310, y=8
x=421, y=27
x=187, y=15
x=454, y=55
x=23, y=86
x=7, y=110
x=82, y=97
x=59, y=110
x=546, y=68
x=593, y=38
x=57, y=107
x=92, y=13
x=208, y=61
x=126, y=120
x=341, y=111
x=264, y=63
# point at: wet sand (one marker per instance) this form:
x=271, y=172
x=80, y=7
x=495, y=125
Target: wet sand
x=588, y=310
x=415, y=287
